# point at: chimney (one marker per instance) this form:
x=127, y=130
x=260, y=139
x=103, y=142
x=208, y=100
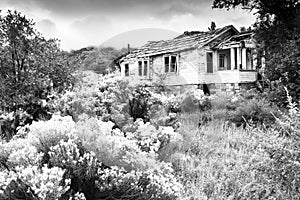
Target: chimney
x=212, y=26
x=128, y=48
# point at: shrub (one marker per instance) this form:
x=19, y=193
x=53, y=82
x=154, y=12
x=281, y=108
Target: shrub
x=139, y=104
x=173, y=104
x=59, y=159
x=189, y=104
x=33, y=182
x=253, y=111
x=11, y=122
x=170, y=120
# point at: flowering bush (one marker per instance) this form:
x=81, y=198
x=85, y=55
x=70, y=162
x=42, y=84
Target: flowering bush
x=109, y=98
x=172, y=104
x=34, y=182
x=61, y=159
x=150, y=184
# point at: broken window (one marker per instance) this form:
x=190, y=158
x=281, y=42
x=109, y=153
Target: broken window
x=127, y=69
x=170, y=63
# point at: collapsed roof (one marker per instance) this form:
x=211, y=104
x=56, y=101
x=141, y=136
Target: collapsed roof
x=188, y=40
x=239, y=39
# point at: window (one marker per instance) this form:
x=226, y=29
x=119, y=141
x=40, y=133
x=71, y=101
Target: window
x=170, y=63
x=222, y=61
x=143, y=68
x=167, y=63
x=209, y=62
x=140, y=68
x=127, y=69
x=173, y=64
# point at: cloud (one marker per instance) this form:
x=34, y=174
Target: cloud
x=177, y=7
x=81, y=23
x=90, y=30
x=47, y=27
x=159, y=8
x=92, y=25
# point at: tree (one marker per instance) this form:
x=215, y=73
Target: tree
x=278, y=35
x=30, y=66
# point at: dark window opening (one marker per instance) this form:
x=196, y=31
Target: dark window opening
x=222, y=59
x=167, y=63
x=209, y=62
x=140, y=68
x=145, y=68
x=235, y=58
x=126, y=69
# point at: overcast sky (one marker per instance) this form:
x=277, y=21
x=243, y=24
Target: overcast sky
x=80, y=23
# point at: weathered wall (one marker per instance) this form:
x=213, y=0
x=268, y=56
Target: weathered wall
x=134, y=77
x=187, y=69
x=191, y=70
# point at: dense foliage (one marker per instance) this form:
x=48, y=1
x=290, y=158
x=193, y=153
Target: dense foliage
x=31, y=68
x=30, y=65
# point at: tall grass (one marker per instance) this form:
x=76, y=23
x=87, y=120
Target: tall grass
x=215, y=160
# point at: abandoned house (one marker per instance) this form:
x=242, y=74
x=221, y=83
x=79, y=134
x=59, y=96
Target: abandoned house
x=220, y=60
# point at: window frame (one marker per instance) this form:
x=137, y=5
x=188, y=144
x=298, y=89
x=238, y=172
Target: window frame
x=212, y=62
x=144, y=67
x=224, y=61
x=140, y=68
x=170, y=67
